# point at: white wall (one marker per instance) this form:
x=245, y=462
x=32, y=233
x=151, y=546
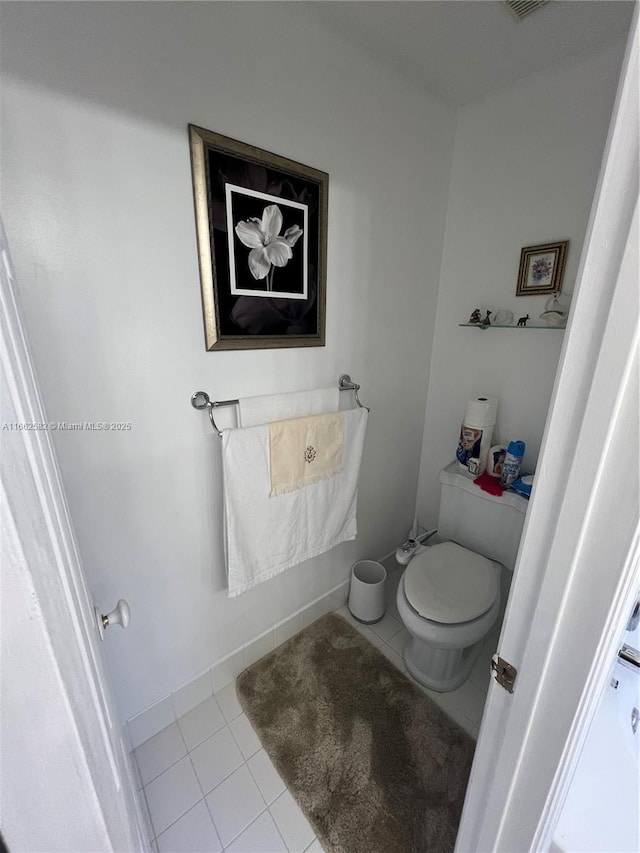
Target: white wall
x=96, y=195
x=525, y=165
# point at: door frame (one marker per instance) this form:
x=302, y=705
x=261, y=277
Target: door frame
x=577, y=569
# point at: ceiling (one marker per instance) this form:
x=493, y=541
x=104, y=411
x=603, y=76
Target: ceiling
x=460, y=50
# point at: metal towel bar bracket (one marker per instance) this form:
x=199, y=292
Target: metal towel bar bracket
x=201, y=400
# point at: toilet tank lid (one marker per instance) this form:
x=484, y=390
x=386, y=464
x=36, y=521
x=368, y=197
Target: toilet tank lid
x=452, y=476
x=448, y=583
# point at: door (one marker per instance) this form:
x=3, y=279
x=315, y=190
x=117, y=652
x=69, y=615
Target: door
x=64, y=777
x=577, y=569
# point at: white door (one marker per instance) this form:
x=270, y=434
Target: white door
x=65, y=780
x=577, y=570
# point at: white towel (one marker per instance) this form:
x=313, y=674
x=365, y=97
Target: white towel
x=278, y=407
x=265, y=535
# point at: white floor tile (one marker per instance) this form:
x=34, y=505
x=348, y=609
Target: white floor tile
x=391, y=587
x=470, y=699
x=400, y=640
x=266, y=776
x=235, y=804
x=245, y=736
x=292, y=824
x=216, y=758
x=346, y=614
x=461, y=719
x=392, y=608
x=387, y=627
x=261, y=837
x=393, y=656
x=227, y=699
x=430, y=693
x=315, y=847
x=390, y=594
x=374, y=639
x=172, y=794
x=201, y=722
x=443, y=700
x=158, y=753
x=194, y=832
x=481, y=672
x=447, y=702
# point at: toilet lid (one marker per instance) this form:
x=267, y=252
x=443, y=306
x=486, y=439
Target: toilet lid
x=448, y=583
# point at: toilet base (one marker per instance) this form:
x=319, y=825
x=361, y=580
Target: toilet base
x=447, y=668
x=441, y=656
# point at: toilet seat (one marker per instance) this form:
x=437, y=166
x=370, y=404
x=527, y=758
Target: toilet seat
x=449, y=584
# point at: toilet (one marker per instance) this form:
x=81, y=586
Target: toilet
x=449, y=595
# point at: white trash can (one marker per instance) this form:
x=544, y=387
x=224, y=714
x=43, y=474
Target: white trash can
x=366, y=594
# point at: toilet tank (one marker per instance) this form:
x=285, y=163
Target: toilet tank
x=489, y=525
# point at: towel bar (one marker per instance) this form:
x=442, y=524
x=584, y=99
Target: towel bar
x=201, y=400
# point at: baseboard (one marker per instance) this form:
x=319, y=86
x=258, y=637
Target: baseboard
x=225, y=671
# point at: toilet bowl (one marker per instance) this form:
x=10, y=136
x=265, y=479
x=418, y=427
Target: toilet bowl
x=448, y=599
x=449, y=594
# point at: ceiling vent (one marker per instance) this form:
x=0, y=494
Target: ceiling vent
x=522, y=8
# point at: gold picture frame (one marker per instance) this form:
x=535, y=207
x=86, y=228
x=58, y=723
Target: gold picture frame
x=261, y=223
x=541, y=269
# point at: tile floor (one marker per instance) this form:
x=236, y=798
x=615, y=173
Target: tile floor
x=207, y=785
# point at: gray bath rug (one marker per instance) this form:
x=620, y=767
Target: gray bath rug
x=374, y=764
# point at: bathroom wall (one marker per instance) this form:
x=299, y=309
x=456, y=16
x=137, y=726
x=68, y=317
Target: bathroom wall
x=97, y=201
x=526, y=161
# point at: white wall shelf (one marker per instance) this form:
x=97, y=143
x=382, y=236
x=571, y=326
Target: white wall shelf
x=540, y=326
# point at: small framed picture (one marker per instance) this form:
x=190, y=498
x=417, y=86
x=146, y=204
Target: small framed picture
x=541, y=269
x=261, y=224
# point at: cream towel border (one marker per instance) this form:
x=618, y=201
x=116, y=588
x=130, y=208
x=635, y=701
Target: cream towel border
x=303, y=451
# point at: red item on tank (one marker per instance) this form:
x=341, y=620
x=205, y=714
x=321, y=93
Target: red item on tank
x=489, y=484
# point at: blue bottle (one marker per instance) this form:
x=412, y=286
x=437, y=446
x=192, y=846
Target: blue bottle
x=512, y=462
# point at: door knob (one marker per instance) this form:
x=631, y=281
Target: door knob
x=120, y=615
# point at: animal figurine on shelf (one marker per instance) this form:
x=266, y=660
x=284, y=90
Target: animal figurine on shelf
x=475, y=317
x=523, y=320
x=487, y=321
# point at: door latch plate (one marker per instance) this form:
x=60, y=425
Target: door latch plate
x=503, y=672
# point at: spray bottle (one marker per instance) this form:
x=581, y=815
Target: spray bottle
x=512, y=462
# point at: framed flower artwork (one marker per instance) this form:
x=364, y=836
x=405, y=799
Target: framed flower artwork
x=261, y=223
x=541, y=269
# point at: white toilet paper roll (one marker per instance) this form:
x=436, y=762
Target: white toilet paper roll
x=481, y=412
x=476, y=432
